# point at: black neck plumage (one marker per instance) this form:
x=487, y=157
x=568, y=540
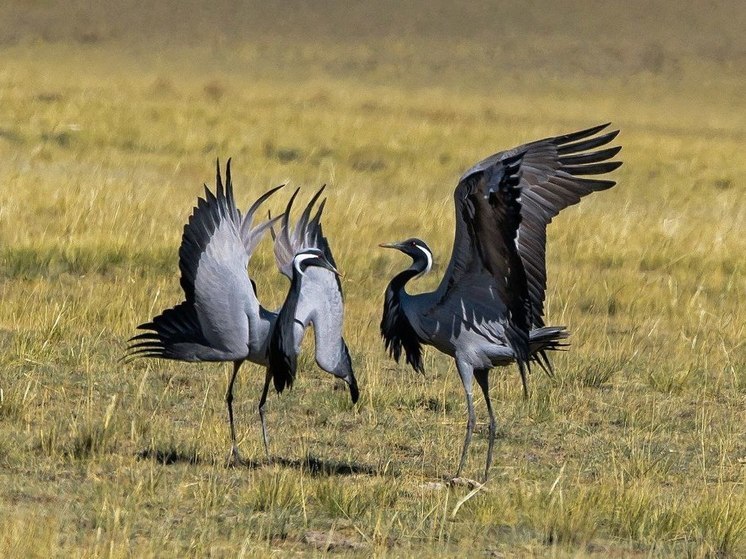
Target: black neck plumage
x=396, y=329
x=281, y=356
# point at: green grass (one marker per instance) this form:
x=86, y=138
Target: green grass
x=635, y=448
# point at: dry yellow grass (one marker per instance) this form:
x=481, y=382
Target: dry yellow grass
x=636, y=448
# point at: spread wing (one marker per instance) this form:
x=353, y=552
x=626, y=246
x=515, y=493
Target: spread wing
x=212, y=323
x=307, y=233
x=554, y=176
x=486, y=282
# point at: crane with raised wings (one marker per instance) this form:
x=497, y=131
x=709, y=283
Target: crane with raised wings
x=489, y=307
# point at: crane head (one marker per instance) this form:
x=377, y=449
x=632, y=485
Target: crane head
x=312, y=257
x=415, y=248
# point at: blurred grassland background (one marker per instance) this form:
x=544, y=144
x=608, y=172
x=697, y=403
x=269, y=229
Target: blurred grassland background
x=111, y=117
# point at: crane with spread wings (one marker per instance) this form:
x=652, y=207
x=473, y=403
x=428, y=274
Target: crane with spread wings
x=489, y=307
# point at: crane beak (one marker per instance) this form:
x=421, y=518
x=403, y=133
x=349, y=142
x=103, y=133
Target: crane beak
x=390, y=245
x=328, y=266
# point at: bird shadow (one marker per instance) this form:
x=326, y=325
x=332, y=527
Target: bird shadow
x=310, y=464
x=320, y=467
x=169, y=456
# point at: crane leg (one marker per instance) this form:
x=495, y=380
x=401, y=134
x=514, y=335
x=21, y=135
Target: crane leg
x=482, y=376
x=466, y=372
x=262, y=401
x=234, y=458
x=524, y=370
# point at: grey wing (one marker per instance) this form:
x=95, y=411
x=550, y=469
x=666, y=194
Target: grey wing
x=212, y=323
x=307, y=233
x=486, y=280
x=552, y=179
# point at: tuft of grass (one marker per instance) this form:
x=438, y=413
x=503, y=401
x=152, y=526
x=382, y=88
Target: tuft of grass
x=277, y=492
x=718, y=525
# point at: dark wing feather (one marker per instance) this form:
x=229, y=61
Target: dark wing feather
x=553, y=171
x=174, y=334
x=553, y=180
x=282, y=356
x=488, y=281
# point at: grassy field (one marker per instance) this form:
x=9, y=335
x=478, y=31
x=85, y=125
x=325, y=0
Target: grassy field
x=110, y=124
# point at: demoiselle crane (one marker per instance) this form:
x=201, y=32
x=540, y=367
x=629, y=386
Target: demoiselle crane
x=489, y=307
x=314, y=298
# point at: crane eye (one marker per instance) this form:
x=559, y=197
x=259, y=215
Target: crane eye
x=413, y=243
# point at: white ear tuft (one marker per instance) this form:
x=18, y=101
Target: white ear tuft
x=429, y=257
x=300, y=257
